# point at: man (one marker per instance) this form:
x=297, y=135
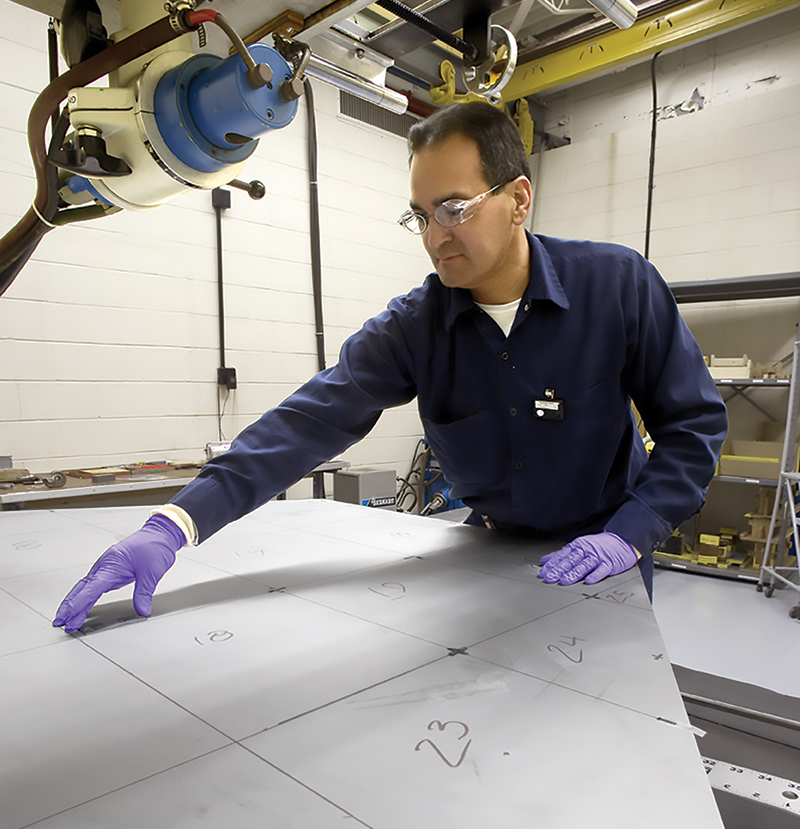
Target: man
x=524, y=353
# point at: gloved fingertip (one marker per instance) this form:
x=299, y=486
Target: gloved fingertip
x=143, y=606
x=73, y=625
x=601, y=572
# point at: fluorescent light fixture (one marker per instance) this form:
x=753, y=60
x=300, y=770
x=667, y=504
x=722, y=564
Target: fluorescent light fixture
x=621, y=13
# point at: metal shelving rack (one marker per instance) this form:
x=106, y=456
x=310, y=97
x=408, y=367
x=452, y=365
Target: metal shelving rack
x=766, y=286
x=787, y=501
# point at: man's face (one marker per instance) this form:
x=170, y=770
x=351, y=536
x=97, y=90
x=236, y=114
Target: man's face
x=475, y=254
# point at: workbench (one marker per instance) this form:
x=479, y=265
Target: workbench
x=320, y=664
x=143, y=488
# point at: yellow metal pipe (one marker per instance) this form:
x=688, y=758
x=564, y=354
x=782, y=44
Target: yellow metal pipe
x=677, y=27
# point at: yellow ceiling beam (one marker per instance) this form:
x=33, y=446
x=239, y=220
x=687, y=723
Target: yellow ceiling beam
x=676, y=27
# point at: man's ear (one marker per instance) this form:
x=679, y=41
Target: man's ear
x=522, y=192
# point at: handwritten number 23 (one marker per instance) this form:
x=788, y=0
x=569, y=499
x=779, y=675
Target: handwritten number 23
x=440, y=726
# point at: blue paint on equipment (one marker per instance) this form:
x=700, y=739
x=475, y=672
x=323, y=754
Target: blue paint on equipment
x=209, y=115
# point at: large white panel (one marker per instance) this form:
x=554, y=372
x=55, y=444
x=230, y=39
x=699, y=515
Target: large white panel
x=449, y=606
x=346, y=686
x=79, y=727
x=282, y=558
x=431, y=753
x=581, y=647
x=25, y=628
x=249, y=665
x=225, y=788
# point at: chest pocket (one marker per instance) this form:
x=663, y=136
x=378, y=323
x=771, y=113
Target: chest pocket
x=470, y=452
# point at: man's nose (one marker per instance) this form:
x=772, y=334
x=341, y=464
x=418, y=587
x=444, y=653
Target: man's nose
x=437, y=235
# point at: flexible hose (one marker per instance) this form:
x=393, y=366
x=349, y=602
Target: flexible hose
x=212, y=16
x=22, y=239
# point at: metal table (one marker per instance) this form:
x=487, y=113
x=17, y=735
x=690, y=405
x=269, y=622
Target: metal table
x=141, y=489
x=317, y=662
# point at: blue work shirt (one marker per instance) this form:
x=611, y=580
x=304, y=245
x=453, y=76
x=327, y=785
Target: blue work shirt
x=596, y=328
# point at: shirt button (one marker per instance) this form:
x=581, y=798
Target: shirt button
x=513, y=412
x=519, y=464
x=504, y=355
x=526, y=307
x=520, y=509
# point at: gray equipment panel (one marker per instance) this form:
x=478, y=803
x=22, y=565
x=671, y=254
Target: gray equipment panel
x=318, y=662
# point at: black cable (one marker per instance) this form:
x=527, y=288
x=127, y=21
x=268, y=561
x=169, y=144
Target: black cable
x=429, y=27
x=652, y=157
x=316, y=254
x=409, y=484
x=52, y=57
x=220, y=284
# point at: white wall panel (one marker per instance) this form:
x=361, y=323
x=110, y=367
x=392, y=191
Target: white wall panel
x=726, y=201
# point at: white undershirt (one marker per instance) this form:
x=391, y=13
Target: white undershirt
x=504, y=315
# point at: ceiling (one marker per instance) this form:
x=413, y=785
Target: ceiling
x=559, y=40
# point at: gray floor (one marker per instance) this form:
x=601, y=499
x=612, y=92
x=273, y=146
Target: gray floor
x=732, y=645
x=729, y=629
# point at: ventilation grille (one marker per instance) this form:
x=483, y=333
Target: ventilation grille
x=354, y=107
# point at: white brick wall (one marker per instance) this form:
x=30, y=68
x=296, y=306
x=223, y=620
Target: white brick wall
x=109, y=336
x=726, y=201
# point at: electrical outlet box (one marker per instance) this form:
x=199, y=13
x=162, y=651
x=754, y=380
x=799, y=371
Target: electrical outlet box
x=226, y=376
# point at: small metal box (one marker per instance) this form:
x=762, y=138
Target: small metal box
x=366, y=485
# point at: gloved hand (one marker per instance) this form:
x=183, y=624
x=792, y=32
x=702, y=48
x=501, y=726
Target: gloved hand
x=142, y=557
x=588, y=557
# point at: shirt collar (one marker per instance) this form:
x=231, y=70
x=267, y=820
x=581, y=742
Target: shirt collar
x=543, y=284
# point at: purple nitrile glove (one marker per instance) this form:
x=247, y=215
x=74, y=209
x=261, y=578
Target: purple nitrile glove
x=142, y=557
x=588, y=557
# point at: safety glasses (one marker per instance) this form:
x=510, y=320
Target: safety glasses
x=450, y=213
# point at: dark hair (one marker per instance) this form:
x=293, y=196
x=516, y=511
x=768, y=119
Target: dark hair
x=499, y=144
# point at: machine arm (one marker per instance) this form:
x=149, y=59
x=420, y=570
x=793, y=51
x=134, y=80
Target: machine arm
x=21, y=241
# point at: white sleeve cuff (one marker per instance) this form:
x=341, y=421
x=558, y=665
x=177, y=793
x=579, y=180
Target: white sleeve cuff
x=181, y=518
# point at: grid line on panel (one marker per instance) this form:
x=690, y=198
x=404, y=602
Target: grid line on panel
x=555, y=684
x=577, y=601
x=131, y=783
x=351, y=614
x=234, y=741
x=155, y=690
x=375, y=116
x=351, y=695
x=305, y=786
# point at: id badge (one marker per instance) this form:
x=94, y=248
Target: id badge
x=549, y=407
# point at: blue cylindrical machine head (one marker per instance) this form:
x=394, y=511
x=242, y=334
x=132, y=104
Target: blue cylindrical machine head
x=210, y=116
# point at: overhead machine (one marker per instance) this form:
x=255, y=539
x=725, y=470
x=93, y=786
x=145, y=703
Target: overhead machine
x=179, y=94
